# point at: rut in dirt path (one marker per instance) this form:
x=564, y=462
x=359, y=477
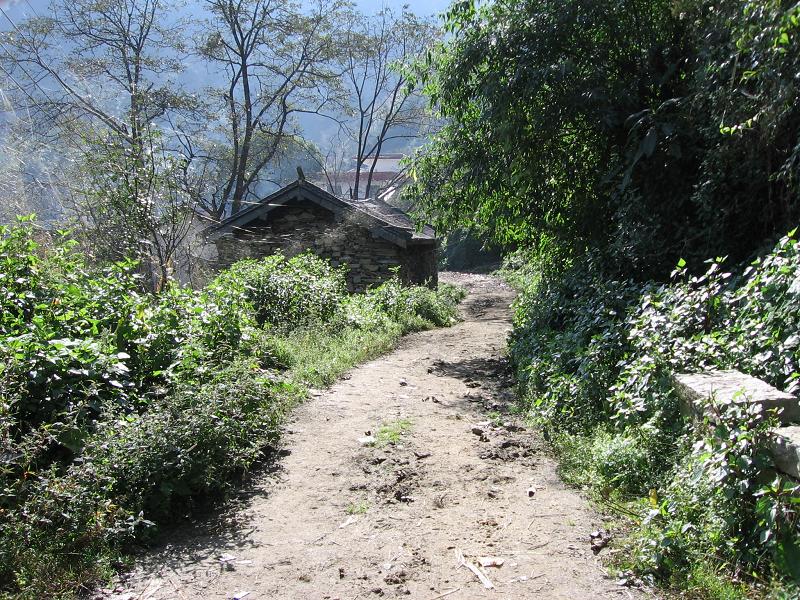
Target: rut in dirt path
x=342, y=519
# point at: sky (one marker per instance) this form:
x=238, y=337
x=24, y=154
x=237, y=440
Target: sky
x=420, y=7
x=19, y=8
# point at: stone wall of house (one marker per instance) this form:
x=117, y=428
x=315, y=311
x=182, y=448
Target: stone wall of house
x=304, y=226
x=421, y=263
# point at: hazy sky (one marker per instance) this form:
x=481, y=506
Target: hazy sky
x=421, y=7
x=19, y=9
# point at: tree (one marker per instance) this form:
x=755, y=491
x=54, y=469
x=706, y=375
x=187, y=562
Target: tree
x=101, y=62
x=26, y=170
x=640, y=130
x=535, y=96
x=332, y=166
x=94, y=76
x=276, y=62
x=133, y=205
x=382, y=104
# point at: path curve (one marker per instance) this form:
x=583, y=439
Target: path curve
x=340, y=519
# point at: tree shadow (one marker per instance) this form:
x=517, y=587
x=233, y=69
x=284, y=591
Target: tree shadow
x=491, y=371
x=489, y=379
x=217, y=530
x=486, y=309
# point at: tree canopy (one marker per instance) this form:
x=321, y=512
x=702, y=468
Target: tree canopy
x=644, y=130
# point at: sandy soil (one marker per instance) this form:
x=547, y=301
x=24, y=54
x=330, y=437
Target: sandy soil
x=338, y=518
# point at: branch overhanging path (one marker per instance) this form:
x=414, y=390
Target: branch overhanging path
x=410, y=477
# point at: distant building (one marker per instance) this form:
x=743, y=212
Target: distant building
x=368, y=235
x=388, y=173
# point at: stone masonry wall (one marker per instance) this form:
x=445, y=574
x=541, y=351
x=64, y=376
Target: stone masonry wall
x=303, y=226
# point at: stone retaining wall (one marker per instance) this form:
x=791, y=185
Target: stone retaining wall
x=697, y=390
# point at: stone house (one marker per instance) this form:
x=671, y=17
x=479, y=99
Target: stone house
x=368, y=235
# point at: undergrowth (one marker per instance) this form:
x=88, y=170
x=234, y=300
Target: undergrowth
x=594, y=358
x=123, y=411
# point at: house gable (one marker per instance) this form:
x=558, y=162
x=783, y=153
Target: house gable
x=371, y=240
x=382, y=220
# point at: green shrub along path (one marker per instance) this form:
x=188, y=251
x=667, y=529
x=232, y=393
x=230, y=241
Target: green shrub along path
x=123, y=411
x=594, y=359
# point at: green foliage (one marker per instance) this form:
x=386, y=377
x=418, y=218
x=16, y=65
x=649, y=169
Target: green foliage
x=190, y=445
x=357, y=508
x=625, y=466
x=644, y=130
x=536, y=97
x=568, y=341
x=121, y=411
x=417, y=307
x=594, y=359
x=288, y=292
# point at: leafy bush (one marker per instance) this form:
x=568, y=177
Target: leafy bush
x=594, y=359
x=625, y=466
x=287, y=292
x=122, y=410
x=643, y=129
x=567, y=343
x=417, y=307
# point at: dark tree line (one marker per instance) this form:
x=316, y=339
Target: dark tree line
x=640, y=131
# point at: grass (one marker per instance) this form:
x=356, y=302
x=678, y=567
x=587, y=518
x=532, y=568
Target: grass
x=577, y=455
x=496, y=418
x=357, y=508
x=707, y=584
x=391, y=433
x=318, y=357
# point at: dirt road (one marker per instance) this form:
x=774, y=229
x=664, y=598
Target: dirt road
x=450, y=474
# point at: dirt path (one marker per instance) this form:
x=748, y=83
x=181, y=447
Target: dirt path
x=339, y=518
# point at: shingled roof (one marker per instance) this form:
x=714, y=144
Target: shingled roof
x=385, y=221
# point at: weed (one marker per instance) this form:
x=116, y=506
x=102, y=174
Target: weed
x=120, y=411
x=391, y=433
x=357, y=508
x=711, y=584
x=496, y=418
x=594, y=360
x=319, y=355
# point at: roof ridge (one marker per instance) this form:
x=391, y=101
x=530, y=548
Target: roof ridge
x=391, y=217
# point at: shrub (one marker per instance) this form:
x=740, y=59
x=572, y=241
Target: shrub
x=122, y=410
x=416, y=307
x=435, y=307
x=361, y=311
x=567, y=343
x=287, y=292
x=190, y=445
x=594, y=360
